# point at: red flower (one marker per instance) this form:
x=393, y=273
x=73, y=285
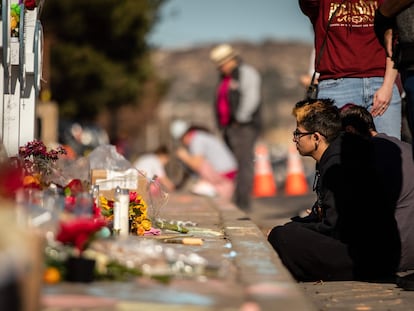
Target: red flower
x=10, y=179
x=30, y=4
x=70, y=202
x=73, y=188
x=79, y=232
x=96, y=211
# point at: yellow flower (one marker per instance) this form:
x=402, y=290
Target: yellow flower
x=140, y=230
x=103, y=202
x=139, y=222
x=31, y=180
x=139, y=218
x=146, y=224
x=51, y=275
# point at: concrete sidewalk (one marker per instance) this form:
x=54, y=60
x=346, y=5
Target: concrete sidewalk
x=248, y=273
x=332, y=296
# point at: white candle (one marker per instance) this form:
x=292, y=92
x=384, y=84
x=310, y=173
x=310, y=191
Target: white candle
x=121, y=212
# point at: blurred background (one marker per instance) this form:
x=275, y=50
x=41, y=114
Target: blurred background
x=120, y=72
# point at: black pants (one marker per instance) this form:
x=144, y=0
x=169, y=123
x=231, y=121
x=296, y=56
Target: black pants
x=241, y=140
x=311, y=256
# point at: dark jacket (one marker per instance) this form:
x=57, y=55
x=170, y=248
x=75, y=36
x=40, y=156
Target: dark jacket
x=355, y=207
x=324, y=215
x=405, y=50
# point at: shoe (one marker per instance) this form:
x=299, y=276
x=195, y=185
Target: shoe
x=406, y=281
x=204, y=188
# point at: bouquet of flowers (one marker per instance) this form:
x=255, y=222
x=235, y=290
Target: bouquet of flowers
x=138, y=215
x=15, y=12
x=30, y=4
x=38, y=162
x=80, y=232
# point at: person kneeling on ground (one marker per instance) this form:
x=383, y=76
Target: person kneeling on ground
x=211, y=159
x=350, y=233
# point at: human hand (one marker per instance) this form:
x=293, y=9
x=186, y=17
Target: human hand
x=382, y=99
x=181, y=153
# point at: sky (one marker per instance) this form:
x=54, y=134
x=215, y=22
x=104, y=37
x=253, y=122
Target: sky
x=186, y=23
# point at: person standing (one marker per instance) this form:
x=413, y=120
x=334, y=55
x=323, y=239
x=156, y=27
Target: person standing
x=394, y=19
x=353, y=66
x=237, y=109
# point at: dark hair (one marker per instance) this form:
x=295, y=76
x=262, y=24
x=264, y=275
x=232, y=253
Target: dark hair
x=198, y=128
x=359, y=118
x=162, y=150
x=194, y=128
x=319, y=115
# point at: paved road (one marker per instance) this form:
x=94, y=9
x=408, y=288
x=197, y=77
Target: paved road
x=271, y=211
x=332, y=296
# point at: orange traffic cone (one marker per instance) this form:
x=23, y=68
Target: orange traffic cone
x=296, y=183
x=264, y=184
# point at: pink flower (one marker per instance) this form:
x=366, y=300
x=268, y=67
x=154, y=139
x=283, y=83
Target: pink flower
x=132, y=196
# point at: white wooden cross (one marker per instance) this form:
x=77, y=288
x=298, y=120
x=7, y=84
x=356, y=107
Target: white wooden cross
x=20, y=73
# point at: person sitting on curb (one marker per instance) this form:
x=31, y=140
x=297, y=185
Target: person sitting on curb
x=350, y=233
x=393, y=160
x=211, y=159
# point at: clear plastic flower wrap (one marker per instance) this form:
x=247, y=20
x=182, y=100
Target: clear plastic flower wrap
x=155, y=195
x=110, y=169
x=152, y=257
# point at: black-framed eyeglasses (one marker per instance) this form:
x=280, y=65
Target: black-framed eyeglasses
x=298, y=134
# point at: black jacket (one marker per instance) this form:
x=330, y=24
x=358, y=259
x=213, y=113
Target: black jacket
x=354, y=206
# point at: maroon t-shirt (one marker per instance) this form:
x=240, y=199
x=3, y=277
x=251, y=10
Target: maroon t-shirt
x=352, y=49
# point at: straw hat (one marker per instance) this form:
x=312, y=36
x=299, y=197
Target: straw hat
x=222, y=54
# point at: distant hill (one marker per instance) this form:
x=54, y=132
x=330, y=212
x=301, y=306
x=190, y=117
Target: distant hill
x=192, y=78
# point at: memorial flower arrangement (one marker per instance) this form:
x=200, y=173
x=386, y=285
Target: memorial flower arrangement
x=138, y=212
x=80, y=232
x=30, y=4
x=38, y=162
x=14, y=19
x=15, y=9
x=77, y=241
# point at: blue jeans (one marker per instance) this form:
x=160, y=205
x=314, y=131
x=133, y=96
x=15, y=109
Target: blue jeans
x=361, y=91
